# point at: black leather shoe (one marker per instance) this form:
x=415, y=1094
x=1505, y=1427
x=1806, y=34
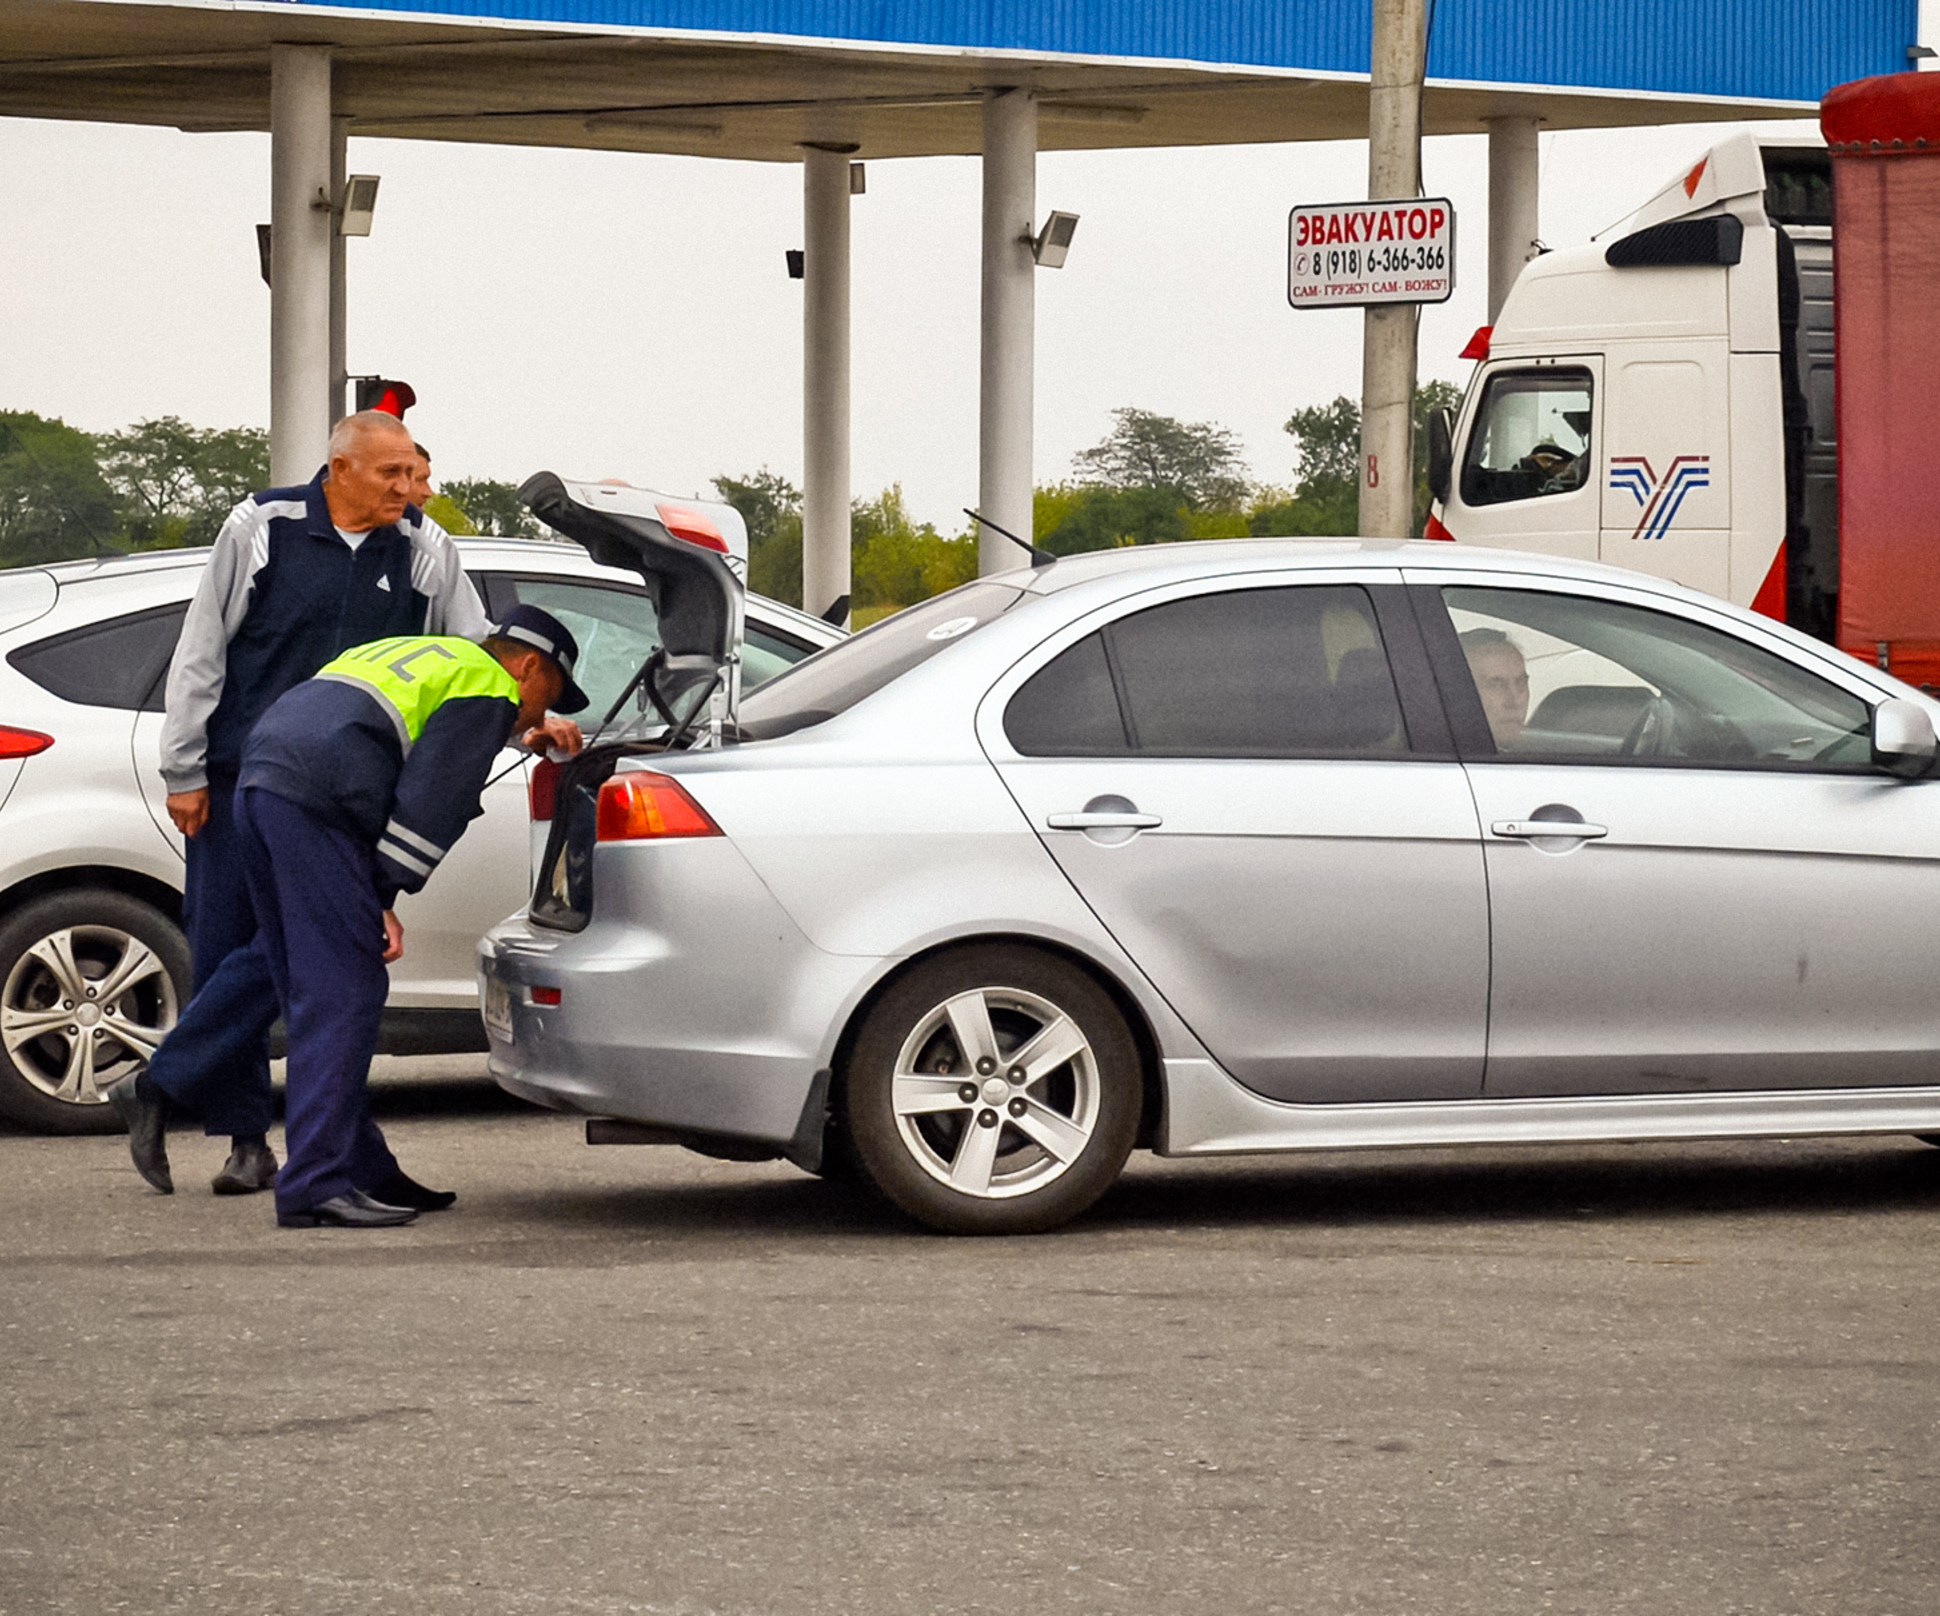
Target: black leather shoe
x=147, y=1125
x=401, y=1189
x=250, y=1168
x=353, y=1211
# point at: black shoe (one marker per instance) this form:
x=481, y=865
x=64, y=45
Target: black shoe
x=147, y=1124
x=251, y=1167
x=401, y=1189
x=353, y=1211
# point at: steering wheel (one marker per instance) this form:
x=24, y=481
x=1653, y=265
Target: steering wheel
x=1650, y=735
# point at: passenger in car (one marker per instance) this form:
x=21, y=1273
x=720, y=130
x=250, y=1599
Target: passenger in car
x=296, y=576
x=1502, y=681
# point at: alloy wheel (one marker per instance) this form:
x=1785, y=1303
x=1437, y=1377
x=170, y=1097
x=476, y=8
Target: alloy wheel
x=83, y=1008
x=996, y=1092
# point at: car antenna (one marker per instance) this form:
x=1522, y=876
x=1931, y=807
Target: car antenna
x=1039, y=558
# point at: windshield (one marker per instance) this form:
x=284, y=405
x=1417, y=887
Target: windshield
x=834, y=680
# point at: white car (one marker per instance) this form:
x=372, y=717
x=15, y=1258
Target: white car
x=91, y=869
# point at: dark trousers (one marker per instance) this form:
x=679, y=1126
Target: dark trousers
x=215, y=1061
x=320, y=933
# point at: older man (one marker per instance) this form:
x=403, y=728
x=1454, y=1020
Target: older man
x=296, y=577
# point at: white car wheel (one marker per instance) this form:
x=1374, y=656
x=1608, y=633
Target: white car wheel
x=90, y=982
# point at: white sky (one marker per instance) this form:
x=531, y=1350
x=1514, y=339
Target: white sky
x=603, y=314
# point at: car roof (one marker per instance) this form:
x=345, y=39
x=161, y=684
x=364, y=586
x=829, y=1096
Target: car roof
x=1205, y=558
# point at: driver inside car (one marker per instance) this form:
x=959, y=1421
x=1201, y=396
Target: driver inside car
x=1502, y=681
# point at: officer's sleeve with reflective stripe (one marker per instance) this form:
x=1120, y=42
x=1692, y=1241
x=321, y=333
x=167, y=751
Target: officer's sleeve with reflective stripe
x=440, y=787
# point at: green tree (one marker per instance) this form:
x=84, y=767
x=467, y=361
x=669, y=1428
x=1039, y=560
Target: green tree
x=896, y=561
x=1326, y=498
x=1068, y=518
x=1198, y=461
x=772, y=507
x=176, y=484
x=54, y=502
x=494, y=508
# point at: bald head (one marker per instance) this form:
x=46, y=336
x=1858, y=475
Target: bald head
x=353, y=431
x=372, y=462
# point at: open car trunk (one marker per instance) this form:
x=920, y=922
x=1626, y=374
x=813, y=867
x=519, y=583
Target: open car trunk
x=692, y=681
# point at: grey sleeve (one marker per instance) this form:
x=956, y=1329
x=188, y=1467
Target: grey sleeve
x=452, y=605
x=195, y=676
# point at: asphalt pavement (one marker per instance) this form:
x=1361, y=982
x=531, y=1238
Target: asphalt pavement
x=1638, y=1379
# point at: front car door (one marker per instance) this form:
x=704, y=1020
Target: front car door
x=1696, y=879
x=1251, y=785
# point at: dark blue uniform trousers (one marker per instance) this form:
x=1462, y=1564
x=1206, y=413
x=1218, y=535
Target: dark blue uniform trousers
x=320, y=932
x=215, y=1061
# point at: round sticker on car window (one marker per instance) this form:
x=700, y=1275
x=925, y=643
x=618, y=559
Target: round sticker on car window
x=951, y=629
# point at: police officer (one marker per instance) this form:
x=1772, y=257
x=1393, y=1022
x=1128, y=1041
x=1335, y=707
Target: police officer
x=354, y=786
x=296, y=576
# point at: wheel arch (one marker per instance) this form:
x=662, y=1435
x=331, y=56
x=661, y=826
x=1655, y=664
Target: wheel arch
x=1144, y=1039
x=79, y=877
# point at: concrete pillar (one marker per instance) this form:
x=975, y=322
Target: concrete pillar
x=299, y=298
x=1009, y=325
x=1513, y=172
x=1395, y=71
x=339, y=301
x=825, y=380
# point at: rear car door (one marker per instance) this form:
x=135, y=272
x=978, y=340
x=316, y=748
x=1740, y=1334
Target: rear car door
x=1251, y=784
x=1696, y=879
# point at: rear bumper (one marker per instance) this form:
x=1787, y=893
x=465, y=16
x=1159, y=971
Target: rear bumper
x=712, y=1015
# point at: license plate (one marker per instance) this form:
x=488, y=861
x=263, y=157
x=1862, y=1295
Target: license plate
x=497, y=1009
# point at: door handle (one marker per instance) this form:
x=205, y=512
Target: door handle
x=1108, y=819
x=1531, y=829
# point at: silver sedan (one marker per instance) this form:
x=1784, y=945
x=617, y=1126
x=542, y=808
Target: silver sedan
x=1242, y=847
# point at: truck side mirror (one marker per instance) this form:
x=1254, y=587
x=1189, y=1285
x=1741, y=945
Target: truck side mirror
x=1903, y=741
x=1441, y=451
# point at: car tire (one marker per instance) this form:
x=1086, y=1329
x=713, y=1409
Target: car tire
x=120, y=967
x=1021, y=1142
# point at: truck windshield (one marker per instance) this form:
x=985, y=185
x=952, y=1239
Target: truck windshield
x=1531, y=436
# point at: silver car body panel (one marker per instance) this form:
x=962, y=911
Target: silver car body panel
x=908, y=822
x=1375, y=984
x=1207, y=1114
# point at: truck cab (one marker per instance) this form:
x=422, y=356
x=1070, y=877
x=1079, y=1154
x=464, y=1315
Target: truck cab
x=1662, y=398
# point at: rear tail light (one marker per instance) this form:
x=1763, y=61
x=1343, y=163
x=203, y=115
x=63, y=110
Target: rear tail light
x=22, y=743
x=638, y=806
x=542, y=789
x=547, y=996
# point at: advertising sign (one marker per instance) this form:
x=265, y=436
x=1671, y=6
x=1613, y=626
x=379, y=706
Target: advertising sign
x=1347, y=254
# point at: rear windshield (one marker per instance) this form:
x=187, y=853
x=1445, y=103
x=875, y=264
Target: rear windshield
x=834, y=680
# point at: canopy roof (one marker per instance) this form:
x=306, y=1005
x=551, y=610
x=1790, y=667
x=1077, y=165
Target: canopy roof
x=763, y=77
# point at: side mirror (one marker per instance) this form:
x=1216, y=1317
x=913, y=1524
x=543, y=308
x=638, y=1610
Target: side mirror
x=1903, y=740
x=1441, y=451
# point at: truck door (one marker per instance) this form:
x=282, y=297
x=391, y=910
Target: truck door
x=1526, y=458
x=1666, y=485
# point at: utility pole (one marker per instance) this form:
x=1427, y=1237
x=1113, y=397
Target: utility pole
x=1398, y=65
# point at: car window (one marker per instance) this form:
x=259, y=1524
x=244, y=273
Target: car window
x=835, y=679
x=120, y=663
x=1531, y=436
x=1298, y=671
x=617, y=629
x=1571, y=678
